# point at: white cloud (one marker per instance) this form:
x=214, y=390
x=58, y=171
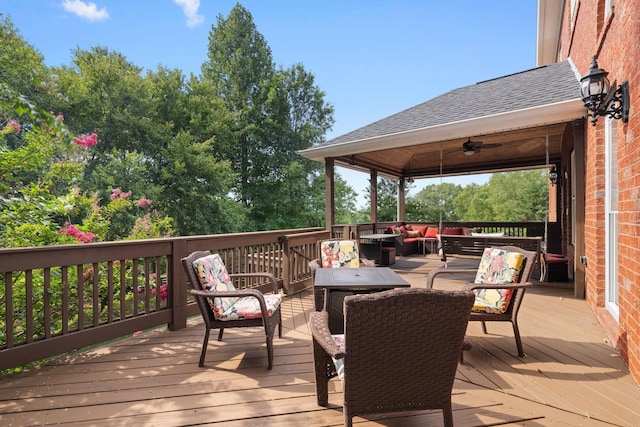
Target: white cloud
x=190, y=10
x=88, y=11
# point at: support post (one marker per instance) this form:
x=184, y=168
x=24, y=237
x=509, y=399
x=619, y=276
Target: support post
x=401, y=214
x=373, y=192
x=329, y=184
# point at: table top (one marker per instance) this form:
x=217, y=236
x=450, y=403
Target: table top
x=358, y=278
x=378, y=236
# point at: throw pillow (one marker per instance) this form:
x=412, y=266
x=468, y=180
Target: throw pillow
x=213, y=276
x=422, y=229
x=499, y=266
x=432, y=232
x=496, y=266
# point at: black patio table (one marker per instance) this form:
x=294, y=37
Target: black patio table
x=337, y=283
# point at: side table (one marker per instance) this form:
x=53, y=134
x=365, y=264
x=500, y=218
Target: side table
x=432, y=245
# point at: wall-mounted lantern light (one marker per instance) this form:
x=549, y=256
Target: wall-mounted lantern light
x=553, y=175
x=600, y=99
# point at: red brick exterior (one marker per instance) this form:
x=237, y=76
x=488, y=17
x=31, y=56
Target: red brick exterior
x=615, y=40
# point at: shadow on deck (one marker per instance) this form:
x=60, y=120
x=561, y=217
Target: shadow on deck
x=571, y=375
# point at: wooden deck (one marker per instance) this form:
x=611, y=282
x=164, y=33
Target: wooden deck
x=570, y=377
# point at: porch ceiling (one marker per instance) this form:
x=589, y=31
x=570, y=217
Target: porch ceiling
x=521, y=112
x=519, y=149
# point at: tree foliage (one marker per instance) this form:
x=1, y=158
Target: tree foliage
x=433, y=202
x=216, y=152
x=275, y=113
x=520, y=196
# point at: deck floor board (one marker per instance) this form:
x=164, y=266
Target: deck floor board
x=571, y=375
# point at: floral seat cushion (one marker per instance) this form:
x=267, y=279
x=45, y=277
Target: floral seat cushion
x=339, y=254
x=212, y=275
x=249, y=307
x=496, y=266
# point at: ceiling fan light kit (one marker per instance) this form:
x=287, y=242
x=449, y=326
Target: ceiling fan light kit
x=470, y=147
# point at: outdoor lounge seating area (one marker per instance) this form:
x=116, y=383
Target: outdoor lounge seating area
x=571, y=375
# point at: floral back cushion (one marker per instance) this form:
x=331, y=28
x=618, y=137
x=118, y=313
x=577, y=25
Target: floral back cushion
x=339, y=254
x=213, y=276
x=496, y=266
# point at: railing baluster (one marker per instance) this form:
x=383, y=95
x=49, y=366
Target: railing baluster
x=65, y=299
x=46, y=301
x=8, y=285
x=28, y=308
x=123, y=289
x=109, y=297
x=147, y=287
x=80, y=299
x=159, y=281
x=134, y=286
x=96, y=294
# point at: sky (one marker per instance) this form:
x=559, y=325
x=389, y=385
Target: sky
x=371, y=58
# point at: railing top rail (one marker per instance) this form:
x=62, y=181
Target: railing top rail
x=16, y=259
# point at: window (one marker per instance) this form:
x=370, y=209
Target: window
x=611, y=218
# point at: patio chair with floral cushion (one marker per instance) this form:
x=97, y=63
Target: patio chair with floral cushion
x=224, y=305
x=337, y=253
x=399, y=351
x=499, y=286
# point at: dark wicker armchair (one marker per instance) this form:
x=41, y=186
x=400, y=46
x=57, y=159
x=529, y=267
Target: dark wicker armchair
x=519, y=286
x=401, y=351
x=269, y=319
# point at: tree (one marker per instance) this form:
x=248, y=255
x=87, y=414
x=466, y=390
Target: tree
x=387, y=200
x=22, y=67
x=106, y=94
x=473, y=203
x=240, y=68
x=433, y=201
x=296, y=118
x=41, y=201
x=274, y=114
x=197, y=188
x=520, y=196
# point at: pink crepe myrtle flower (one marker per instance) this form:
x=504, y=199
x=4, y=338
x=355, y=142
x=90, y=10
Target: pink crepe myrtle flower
x=81, y=236
x=119, y=193
x=164, y=293
x=86, y=140
x=143, y=202
x=15, y=125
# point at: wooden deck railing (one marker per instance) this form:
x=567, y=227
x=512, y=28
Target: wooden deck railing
x=56, y=299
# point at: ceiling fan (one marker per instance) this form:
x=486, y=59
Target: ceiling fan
x=471, y=147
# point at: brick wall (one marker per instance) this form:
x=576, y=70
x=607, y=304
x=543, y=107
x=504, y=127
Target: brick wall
x=615, y=39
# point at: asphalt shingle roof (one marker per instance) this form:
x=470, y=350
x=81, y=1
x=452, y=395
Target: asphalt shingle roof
x=536, y=87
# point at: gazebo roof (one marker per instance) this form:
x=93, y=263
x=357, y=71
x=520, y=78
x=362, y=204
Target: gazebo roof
x=517, y=111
